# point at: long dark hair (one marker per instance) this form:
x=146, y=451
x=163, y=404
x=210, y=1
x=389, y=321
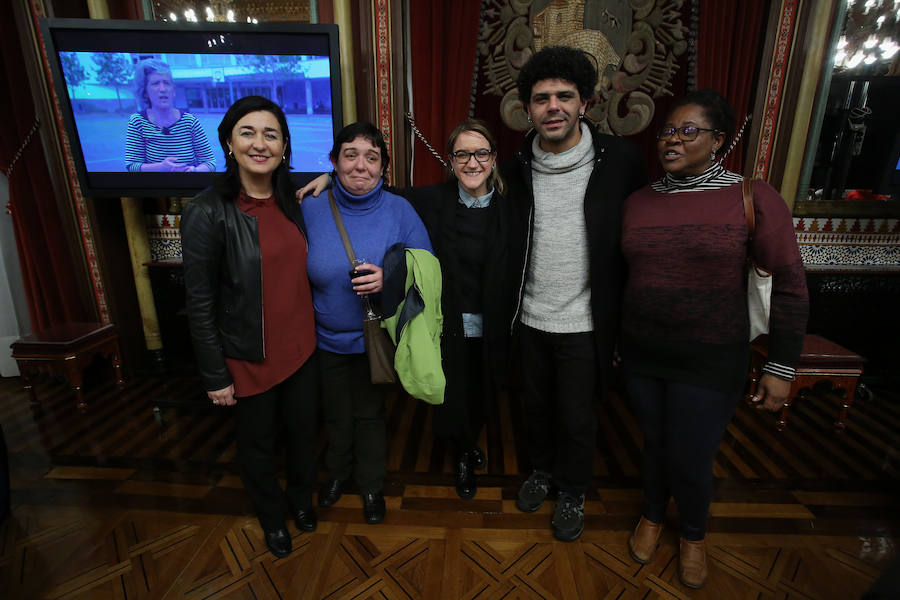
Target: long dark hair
x=228, y=184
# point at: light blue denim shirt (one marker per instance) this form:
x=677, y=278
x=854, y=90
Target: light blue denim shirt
x=473, y=324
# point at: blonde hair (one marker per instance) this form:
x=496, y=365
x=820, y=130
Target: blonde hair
x=494, y=181
x=142, y=71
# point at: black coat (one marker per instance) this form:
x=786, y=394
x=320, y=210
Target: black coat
x=618, y=171
x=436, y=206
x=223, y=282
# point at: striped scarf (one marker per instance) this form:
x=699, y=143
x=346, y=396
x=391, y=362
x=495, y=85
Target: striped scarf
x=713, y=178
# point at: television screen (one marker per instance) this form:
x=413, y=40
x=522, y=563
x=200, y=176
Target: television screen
x=142, y=100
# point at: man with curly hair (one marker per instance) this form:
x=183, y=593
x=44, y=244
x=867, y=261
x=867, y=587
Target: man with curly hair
x=568, y=182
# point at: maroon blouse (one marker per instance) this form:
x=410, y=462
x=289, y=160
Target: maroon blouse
x=289, y=337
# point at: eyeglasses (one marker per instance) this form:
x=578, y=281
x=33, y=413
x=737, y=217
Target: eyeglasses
x=688, y=133
x=481, y=155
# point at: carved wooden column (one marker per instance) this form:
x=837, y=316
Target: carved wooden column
x=138, y=244
x=343, y=17
x=791, y=67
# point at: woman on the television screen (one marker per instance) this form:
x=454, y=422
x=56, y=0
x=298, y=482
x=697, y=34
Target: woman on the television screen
x=162, y=137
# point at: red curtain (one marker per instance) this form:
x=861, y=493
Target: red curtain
x=729, y=46
x=48, y=269
x=444, y=36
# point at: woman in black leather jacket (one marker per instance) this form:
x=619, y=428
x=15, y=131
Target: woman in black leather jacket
x=250, y=312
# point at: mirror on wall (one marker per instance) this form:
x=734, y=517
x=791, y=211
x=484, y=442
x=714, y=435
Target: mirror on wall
x=852, y=166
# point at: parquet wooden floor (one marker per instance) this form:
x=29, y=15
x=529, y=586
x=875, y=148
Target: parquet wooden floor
x=128, y=502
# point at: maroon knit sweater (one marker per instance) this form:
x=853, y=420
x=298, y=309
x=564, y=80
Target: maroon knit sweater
x=685, y=306
x=288, y=323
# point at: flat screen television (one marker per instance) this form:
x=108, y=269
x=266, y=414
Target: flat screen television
x=890, y=178
x=117, y=145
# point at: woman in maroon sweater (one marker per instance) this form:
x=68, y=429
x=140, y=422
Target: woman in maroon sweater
x=250, y=312
x=685, y=325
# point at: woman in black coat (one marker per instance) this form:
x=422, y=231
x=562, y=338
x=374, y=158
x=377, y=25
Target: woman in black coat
x=467, y=218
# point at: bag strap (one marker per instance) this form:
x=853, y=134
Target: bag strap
x=348, y=248
x=749, y=212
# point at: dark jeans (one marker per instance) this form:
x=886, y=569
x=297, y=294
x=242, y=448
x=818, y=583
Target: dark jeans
x=683, y=425
x=355, y=421
x=560, y=379
x=467, y=402
x=293, y=405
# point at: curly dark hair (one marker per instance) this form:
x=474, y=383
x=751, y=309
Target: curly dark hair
x=558, y=62
x=717, y=111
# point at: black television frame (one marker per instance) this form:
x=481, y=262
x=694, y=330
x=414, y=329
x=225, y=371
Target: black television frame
x=178, y=37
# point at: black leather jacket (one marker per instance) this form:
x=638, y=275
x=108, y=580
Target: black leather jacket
x=223, y=280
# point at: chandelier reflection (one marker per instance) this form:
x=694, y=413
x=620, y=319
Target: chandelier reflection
x=869, y=40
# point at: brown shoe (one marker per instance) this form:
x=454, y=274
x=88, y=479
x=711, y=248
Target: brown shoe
x=692, y=563
x=643, y=542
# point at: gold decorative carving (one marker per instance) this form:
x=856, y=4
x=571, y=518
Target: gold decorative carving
x=635, y=45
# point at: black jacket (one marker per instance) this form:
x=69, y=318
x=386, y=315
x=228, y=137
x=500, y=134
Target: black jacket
x=436, y=206
x=223, y=281
x=618, y=171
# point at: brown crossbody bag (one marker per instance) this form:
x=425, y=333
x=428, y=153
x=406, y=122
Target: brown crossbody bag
x=379, y=347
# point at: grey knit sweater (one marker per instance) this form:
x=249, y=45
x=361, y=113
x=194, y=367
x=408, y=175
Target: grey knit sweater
x=557, y=295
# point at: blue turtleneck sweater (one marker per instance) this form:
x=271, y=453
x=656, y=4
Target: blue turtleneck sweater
x=374, y=222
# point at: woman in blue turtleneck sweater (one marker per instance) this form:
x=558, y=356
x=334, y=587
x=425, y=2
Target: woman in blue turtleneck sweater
x=375, y=220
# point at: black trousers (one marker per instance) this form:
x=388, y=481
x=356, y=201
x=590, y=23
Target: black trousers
x=683, y=425
x=4, y=478
x=293, y=405
x=355, y=421
x=560, y=382
x=467, y=401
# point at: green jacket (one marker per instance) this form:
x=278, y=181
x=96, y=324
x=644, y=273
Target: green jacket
x=413, y=319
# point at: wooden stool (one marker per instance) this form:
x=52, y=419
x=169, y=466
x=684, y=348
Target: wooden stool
x=821, y=362
x=67, y=350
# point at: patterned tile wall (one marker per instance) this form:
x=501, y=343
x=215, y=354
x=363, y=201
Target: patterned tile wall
x=164, y=237
x=848, y=244
x=856, y=244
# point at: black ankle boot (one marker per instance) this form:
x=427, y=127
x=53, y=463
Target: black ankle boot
x=373, y=507
x=330, y=492
x=477, y=458
x=465, y=476
x=304, y=517
x=279, y=542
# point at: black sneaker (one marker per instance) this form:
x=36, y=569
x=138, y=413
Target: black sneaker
x=568, y=517
x=533, y=491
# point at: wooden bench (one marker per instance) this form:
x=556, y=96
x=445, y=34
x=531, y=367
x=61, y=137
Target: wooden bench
x=66, y=350
x=822, y=363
